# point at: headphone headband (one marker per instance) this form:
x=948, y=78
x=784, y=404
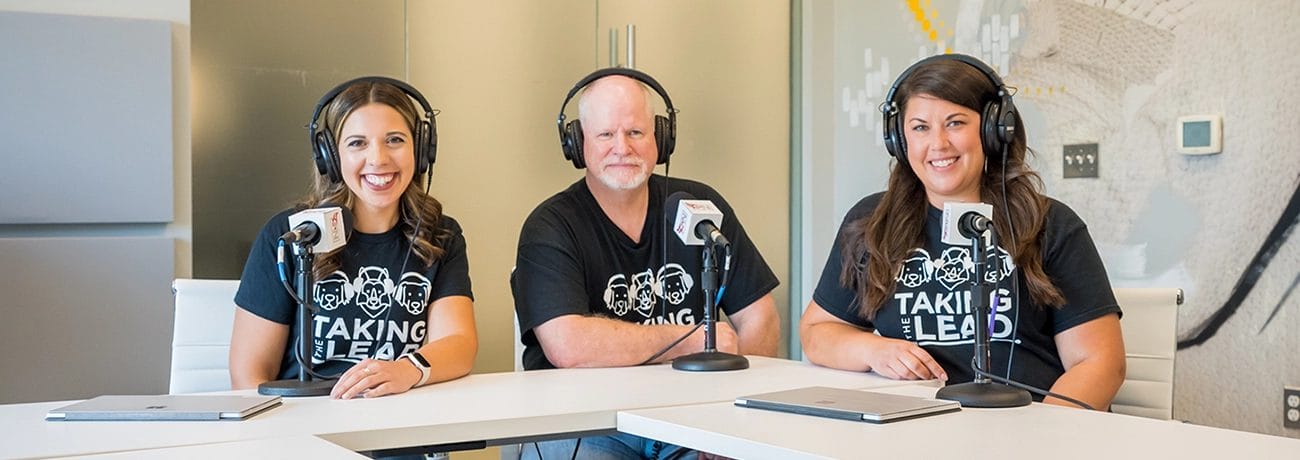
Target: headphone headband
x=998, y=118
x=630, y=73
x=571, y=133
x=424, y=131
x=968, y=60
x=333, y=93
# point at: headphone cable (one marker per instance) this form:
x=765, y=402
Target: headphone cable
x=1015, y=278
x=1030, y=388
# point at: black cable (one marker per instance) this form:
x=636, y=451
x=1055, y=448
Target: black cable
x=297, y=344
x=298, y=351
x=574, y=456
x=282, y=270
x=1015, y=278
x=671, y=345
x=663, y=260
x=297, y=354
x=1033, y=389
x=679, y=453
x=575, y=450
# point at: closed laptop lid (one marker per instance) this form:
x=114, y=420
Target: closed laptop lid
x=165, y=407
x=847, y=404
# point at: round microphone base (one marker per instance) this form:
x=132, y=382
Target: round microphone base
x=973, y=394
x=707, y=361
x=296, y=388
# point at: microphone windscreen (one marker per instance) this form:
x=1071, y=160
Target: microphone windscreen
x=952, y=212
x=689, y=213
x=332, y=224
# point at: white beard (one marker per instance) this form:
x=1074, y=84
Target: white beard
x=624, y=181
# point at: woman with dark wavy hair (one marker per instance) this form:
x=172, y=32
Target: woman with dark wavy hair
x=894, y=299
x=395, y=309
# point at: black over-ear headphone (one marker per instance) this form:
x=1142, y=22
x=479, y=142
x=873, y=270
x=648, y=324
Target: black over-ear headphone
x=326, y=152
x=665, y=127
x=997, y=120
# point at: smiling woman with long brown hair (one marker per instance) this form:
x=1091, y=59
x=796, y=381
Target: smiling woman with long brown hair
x=893, y=297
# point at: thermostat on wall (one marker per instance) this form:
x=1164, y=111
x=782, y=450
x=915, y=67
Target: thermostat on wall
x=1200, y=134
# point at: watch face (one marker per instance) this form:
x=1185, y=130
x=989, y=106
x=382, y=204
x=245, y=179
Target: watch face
x=420, y=359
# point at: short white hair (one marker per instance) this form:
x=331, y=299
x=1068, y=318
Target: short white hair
x=584, y=107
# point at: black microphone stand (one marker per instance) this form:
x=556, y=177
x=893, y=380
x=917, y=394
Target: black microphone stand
x=982, y=392
x=305, y=385
x=710, y=359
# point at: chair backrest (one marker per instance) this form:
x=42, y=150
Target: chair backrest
x=1150, y=324
x=205, y=314
x=519, y=347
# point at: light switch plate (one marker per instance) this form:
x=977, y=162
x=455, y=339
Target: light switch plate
x=1291, y=407
x=1080, y=160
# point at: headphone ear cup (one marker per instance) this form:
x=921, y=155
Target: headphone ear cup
x=895, y=144
x=571, y=143
x=430, y=142
x=423, y=155
x=326, y=158
x=991, y=130
x=665, y=138
x=1007, y=123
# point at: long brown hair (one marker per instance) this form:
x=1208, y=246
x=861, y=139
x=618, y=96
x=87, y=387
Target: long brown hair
x=876, y=244
x=414, y=206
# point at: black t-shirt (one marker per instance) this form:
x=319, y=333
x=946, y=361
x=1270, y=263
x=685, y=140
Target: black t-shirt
x=931, y=302
x=572, y=259
x=372, y=307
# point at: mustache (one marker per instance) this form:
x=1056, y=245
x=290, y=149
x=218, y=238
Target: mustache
x=626, y=161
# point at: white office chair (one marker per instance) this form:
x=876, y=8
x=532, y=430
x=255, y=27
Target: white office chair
x=205, y=314
x=1150, y=324
x=519, y=347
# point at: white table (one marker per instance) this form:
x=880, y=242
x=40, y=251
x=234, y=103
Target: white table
x=269, y=449
x=1035, y=431
x=475, y=411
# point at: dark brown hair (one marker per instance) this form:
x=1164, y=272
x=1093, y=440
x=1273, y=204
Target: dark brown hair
x=414, y=204
x=876, y=244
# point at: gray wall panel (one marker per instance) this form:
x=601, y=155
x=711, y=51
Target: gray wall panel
x=86, y=119
x=259, y=68
x=84, y=316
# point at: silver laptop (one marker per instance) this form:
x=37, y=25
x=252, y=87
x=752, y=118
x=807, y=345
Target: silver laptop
x=855, y=405
x=165, y=407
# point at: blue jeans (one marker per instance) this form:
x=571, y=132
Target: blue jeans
x=612, y=447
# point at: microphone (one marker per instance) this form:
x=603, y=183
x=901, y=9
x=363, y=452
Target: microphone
x=968, y=224
x=697, y=221
x=696, y=224
x=318, y=231
x=972, y=224
x=323, y=230
x=963, y=221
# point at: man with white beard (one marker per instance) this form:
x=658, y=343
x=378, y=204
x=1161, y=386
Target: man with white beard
x=611, y=224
